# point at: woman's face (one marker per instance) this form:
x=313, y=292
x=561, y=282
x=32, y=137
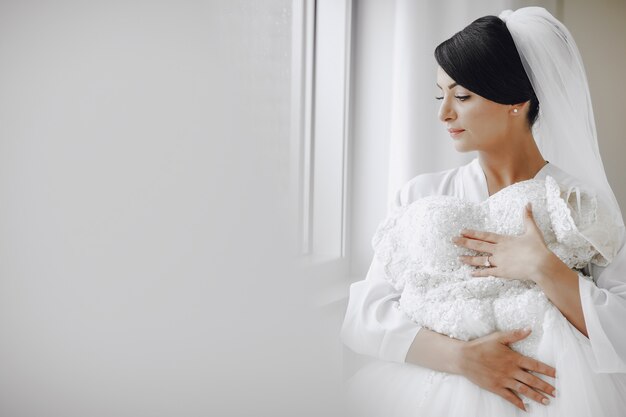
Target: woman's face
x=485, y=123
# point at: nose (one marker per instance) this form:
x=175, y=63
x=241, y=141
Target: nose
x=446, y=112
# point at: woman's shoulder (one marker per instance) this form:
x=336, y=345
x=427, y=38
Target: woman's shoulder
x=566, y=180
x=442, y=182
x=589, y=215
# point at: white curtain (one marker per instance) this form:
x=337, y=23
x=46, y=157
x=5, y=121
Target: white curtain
x=418, y=140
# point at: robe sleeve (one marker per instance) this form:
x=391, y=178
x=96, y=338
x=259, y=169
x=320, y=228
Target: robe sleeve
x=604, y=307
x=374, y=325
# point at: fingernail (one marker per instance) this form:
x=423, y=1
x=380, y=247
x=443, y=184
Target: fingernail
x=527, y=407
x=554, y=393
x=545, y=401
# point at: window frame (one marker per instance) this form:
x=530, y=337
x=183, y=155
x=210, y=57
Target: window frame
x=322, y=136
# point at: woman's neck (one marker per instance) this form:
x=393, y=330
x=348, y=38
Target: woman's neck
x=509, y=166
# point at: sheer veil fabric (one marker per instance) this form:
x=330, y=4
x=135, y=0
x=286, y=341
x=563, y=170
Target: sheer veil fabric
x=566, y=136
x=565, y=130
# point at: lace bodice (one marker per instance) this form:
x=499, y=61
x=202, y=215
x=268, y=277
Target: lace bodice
x=414, y=246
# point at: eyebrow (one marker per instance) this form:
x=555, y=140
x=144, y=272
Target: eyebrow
x=449, y=87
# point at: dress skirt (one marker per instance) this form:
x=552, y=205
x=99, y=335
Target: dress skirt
x=389, y=389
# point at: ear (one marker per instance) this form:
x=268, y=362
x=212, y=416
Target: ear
x=520, y=108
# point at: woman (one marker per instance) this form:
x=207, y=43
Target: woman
x=514, y=89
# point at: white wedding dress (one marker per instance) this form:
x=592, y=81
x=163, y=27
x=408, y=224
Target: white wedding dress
x=413, y=244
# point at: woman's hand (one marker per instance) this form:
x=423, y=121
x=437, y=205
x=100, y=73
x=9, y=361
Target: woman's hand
x=491, y=364
x=527, y=257
x=517, y=257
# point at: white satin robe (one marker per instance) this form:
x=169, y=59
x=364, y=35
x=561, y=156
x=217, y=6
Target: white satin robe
x=374, y=326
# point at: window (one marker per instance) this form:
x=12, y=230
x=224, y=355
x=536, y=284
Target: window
x=320, y=96
x=320, y=132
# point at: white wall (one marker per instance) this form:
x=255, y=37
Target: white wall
x=144, y=168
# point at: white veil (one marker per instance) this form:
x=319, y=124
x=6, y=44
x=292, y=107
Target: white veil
x=565, y=130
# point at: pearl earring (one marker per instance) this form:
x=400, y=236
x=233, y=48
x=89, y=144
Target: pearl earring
x=514, y=110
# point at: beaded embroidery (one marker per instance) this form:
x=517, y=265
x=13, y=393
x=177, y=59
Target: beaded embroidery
x=414, y=246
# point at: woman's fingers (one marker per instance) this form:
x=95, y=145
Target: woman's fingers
x=482, y=235
x=528, y=392
x=531, y=364
x=487, y=272
x=535, y=382
x=474, y=260
x=491, y=364
x=512, y=336
x=511, y=397
x=525, y=362
x=477, y=245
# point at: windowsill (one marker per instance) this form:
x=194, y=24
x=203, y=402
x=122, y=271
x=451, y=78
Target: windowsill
x=335, y=293
x=328, y=279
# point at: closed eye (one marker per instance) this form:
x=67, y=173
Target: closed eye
x=461, y=98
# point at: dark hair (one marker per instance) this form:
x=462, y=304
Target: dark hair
x=483, y=58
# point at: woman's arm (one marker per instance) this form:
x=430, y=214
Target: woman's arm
x=373, y=325
x=435, y=351
x=487, y=361
x=596, y=308
x=527, y=257
x=604, y=306
x=560, y=284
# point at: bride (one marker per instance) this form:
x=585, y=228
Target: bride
x=514, y=90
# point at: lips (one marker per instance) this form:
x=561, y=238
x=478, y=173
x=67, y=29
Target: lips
x=455, y=133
